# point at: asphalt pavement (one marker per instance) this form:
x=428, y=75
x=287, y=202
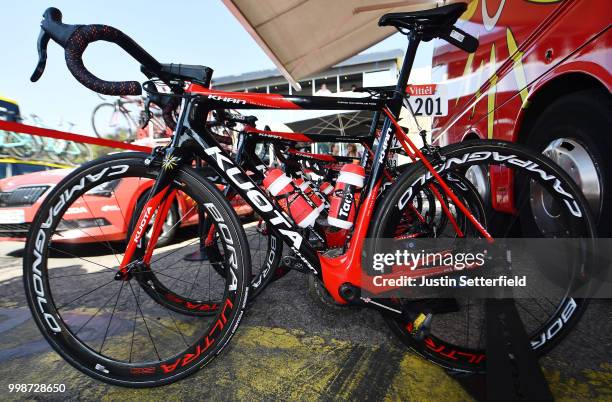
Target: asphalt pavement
x=291, y=347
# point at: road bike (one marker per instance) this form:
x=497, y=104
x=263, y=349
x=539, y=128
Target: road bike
x=16, y=144
x=58, y=150
x=122, y=118
x=121, y=333
x=29, y=146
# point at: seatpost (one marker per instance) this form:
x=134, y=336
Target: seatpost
x=414, y=39
x=395, y=106
x=364, y=156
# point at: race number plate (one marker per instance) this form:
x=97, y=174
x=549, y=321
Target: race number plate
x=12, y=216
x=428, y=100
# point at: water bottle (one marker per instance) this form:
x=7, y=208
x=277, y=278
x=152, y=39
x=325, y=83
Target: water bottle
x=342, y=209
x=302, y=208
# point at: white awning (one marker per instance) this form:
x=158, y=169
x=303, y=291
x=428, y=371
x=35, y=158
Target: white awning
x=306, y=36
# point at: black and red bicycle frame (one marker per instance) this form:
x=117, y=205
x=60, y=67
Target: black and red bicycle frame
x=192, y=138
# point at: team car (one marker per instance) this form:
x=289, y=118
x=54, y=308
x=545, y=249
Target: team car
x=99, y=216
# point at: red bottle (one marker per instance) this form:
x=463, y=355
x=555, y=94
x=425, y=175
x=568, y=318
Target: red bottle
x=342, y=209
x=326, y=188
x=286, y=193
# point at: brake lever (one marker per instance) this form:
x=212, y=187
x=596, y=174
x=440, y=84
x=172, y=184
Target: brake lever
x=43, y=41
x=51, y=27
x=147, y=113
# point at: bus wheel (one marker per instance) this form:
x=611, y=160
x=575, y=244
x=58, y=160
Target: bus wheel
x=574, y=131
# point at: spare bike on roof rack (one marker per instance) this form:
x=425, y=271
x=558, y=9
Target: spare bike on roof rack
x=113, y=330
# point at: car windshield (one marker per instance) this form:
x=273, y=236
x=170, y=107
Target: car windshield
x=23, y=168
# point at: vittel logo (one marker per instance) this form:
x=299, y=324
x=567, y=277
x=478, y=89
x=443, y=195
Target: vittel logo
x=226, y=99
x=421, y=90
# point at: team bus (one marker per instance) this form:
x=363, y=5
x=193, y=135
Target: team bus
x=9, y=110
x=541, y=77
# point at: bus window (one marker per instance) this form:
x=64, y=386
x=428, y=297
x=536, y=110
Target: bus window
x=9, y=111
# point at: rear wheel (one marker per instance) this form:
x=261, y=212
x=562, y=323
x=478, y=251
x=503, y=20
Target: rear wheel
x=456, y=337
x=265, y=252
x=108, y=327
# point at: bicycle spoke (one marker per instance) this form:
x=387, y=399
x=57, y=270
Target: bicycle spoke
x=134, y=326
x=170, y=277
x=96, y=313
x=516, y=302
x=179, y=279
x=467, y=336
x=111, y=317
x=181, y=219
x=145, y=322
x=94, y=238
x=70, y=276
x=80, y=258
x=85, y=294
x=175, y=251
x=194, y=281
x=171, y=267
x=177, y=332
x=101, y=232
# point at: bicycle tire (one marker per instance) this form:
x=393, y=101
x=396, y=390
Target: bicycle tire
x=59, y=333
x=431, y=347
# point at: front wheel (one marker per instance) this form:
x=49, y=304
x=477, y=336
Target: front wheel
x=106, y=325
x=456, y=334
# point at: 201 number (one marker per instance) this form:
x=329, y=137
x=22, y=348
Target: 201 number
x=428, y=106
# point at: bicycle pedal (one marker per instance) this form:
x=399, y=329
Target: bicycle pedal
x=421, y=326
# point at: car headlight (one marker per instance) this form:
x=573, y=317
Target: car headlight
x=65, y=225
x=104, y=189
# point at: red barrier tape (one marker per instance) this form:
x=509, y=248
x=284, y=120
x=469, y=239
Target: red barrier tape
x=62, y=135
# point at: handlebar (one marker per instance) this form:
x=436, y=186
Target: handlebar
x=75, y=39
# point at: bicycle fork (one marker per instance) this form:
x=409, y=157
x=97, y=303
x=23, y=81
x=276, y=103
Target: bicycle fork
x=158, y=203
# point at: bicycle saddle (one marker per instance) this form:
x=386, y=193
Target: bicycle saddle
x=432, y=22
